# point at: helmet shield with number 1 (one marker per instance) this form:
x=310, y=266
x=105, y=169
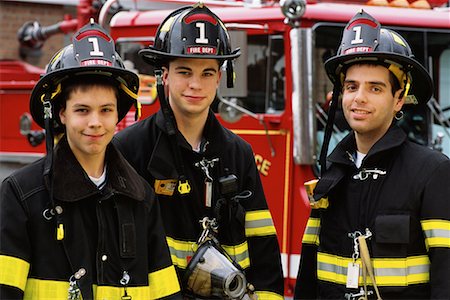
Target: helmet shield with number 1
x=364, y=40
x=91, y=53
x=192, y=32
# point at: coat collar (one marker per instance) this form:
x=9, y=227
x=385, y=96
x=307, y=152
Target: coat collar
x=71, y=183
x=393, y=138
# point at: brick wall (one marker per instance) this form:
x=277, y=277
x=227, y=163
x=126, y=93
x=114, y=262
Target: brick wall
x=14, y=14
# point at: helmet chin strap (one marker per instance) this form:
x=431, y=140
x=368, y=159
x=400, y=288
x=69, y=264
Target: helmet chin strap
x=329, y=128
x=171, y=127
x=48, y=164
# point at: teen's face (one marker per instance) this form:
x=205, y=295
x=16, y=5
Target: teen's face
x=192, y=85
x=90, y=118
x=368, y=104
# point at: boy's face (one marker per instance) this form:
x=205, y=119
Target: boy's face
x=90, y=118
x=368, y=104
x=192, y=85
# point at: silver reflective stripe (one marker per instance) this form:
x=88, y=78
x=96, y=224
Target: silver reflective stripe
x=442, y=233
x=258, y=223
x=312, y=230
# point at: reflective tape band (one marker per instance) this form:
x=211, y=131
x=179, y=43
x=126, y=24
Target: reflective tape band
x=259, y=223
x=180, y=251
x=46, y=289
x=13, y=271
x=437, y=233
x=239, y=254
x=312, y=230
x=388, y=271
x=162, y=283
x=264, y=295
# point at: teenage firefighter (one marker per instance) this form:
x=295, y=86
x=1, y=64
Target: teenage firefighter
x=195, y=164
x=80, y=223
x=380, y=223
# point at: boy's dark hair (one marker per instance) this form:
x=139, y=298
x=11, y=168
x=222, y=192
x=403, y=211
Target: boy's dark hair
x=83, y=83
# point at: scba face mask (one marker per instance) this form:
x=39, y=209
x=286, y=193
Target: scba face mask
x=211, y=274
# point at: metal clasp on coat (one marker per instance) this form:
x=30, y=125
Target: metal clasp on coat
x=364, y=174
x=74, y=289
x=361, y=295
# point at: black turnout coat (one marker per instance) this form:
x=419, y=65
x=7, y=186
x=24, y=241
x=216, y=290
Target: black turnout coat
x=101, y=238
x=247, y=232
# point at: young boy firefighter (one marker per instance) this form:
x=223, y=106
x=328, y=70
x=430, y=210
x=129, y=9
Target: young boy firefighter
x=81, y=223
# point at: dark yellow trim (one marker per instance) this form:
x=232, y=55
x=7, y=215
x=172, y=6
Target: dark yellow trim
x=264, y=295
x=388, y=271
x=13, y=271
x=163, y=283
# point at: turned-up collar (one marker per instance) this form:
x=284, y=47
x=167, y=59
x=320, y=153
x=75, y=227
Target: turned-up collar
x=393, y=138
x=71, y=183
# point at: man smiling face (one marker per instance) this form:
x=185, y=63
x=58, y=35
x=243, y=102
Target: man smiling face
x=368, y=102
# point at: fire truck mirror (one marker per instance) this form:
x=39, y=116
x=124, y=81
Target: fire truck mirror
x=238, y=40
x=25, y=124
x=228, y=110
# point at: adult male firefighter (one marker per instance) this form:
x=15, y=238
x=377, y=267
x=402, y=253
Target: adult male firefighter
x=81, y=223
x=199, y=169
x=380, y=211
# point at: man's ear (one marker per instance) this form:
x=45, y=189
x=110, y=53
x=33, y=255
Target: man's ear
x=399, y=99
x=62, y=115
x=165, y=74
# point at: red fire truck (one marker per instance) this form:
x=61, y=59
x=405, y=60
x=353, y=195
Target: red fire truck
x=280, y=99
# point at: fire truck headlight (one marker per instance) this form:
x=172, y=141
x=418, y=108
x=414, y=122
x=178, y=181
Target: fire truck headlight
x=293, y=9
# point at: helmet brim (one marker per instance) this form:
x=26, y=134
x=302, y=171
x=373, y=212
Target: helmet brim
x=421, y=85
x=154, y=57
x=49, y=82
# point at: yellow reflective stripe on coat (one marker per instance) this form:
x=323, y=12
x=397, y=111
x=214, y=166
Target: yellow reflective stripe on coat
x=259, y=223
x=312, y=230
x=163, y=283
x=239, y=253
x=437, y=233
x=13, y=271
x=264, y=295
x=46, y=289
x=388, y=271
x=180, y=251
x=115, y=292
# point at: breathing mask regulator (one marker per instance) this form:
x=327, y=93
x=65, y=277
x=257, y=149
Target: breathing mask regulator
x=365, y=41
x=212, y=273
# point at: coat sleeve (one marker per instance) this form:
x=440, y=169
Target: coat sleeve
x=14, y=242
x=306, y=284
x=163, y=280
x=435, y=221
x=265, y=271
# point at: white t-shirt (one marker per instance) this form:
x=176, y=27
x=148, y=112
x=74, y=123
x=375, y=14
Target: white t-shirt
x=100, y=181
x=359, y=158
